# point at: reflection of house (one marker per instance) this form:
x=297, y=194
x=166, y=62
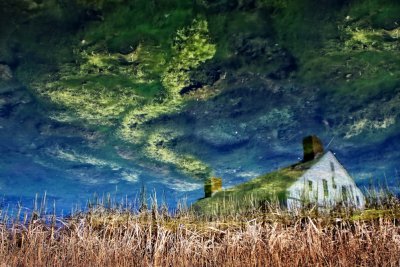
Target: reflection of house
x=325, y=183
x=317, y=180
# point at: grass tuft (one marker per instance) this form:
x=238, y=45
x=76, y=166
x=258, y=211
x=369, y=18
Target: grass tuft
x=112, y=234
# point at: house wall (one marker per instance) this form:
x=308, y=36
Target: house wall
x=326, y=183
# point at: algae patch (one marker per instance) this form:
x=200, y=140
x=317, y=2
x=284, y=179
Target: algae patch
x=130, y=91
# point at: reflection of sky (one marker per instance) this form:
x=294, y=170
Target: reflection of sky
x=22, y=179
x=71, y=170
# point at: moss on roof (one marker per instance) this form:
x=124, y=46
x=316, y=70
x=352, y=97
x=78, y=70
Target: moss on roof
x=268, y=187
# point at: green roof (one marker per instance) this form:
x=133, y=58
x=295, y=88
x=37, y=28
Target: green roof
x=268, y=187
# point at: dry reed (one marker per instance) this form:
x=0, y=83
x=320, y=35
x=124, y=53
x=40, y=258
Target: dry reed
x=118, y=237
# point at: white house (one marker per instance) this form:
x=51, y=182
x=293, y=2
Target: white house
x=326, y=183
x=318, y=180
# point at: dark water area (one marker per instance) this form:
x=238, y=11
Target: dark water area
x=41, y=156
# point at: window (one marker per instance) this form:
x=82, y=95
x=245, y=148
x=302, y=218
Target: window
x=326, y=191
x=344, y=193
x=333, y=182
x=310, y=185
x=333, y=175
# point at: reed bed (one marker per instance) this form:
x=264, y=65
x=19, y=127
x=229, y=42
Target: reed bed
x=104, y=236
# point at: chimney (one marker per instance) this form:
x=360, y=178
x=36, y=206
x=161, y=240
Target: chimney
x=212, y=186
x=312, y=147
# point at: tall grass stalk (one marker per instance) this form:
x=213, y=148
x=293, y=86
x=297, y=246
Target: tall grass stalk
x=122, y=234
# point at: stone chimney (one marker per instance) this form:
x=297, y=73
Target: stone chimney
x=212, y=186
x=312, y=147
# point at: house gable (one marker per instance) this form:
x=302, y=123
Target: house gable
x=318, y=179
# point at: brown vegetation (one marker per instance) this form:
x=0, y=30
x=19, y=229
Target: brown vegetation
x=117, y=237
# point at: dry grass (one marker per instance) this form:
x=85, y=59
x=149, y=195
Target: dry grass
x=118, y=237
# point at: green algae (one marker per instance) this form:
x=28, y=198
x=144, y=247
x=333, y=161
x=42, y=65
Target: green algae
x=97, y=4
x=140, y=21
x=160, y=147
x=191, y=47
x=126, y=64
x=105, y=87
x=342, y=46
x=108, y=86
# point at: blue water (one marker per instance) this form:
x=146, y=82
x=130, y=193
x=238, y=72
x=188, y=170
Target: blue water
x=40, y=155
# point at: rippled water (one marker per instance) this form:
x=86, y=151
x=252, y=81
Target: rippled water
x=235, y=134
